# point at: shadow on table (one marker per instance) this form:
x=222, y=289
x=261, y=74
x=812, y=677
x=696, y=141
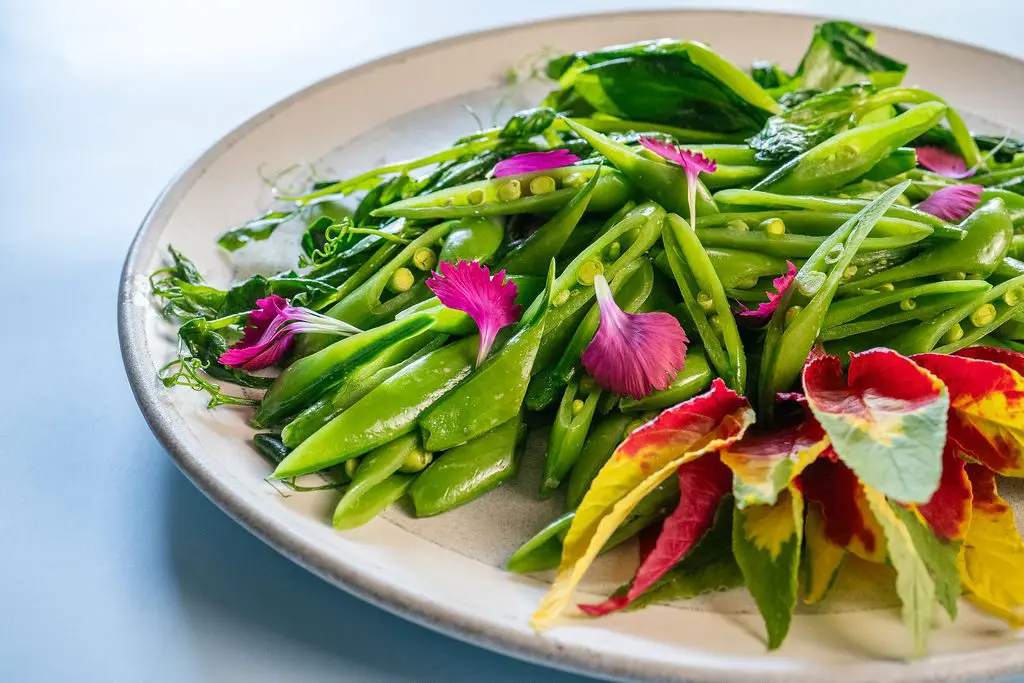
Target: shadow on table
x=229, y=572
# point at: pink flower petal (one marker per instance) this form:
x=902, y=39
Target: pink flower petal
x=633, y=353
x=490, y=301
x=764, y=311
x=269, y=331
x=534, y=161
x=953, y=203
x=943, y=162
x=692, y=162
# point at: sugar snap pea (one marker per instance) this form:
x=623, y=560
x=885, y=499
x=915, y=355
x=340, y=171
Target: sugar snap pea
x=844, y=157
x=537, y=192
x=568, y=432
x=466, y=472
x=373, y=501
x=474, y=238
x=373, y=469
x=705, y=300
x=385, y=413
x=694, y=378
x=892, y=316
x=601, y=441
x=796, y=246
x=845, y=310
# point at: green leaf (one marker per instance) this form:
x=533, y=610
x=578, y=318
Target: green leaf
x=256, y=230
x=766, y=541
x=914, y=583
x=842, y=53
x=937, y=554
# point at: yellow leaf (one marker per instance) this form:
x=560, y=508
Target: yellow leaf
x=824, y=558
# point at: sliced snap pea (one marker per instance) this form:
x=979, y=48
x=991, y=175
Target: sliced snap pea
x=568, y=432
x=795, y=246
x=373, y=469
x=485, y=197
x=894, y=315
x=601, y=442
x=845, y=310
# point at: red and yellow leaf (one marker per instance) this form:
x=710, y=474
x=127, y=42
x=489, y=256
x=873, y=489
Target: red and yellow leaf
x=847, y=518
x=702, y=485
x=824, y=558
x=765, y=462
x=651, y=454
x=991, y=558
x=986, y=409
x=887, y=420
x=948, y=513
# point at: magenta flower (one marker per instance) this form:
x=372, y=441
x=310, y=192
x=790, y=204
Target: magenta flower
x=271, y=327
x=534, y=161
x=943, y=162
x=765, y=310
x=490, y=301
x=693, y=163
x=633, y=353
x=953, y=203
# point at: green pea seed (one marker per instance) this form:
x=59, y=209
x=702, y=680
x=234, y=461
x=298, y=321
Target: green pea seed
x=350, y=467
x=561, y=297
x=510, y=190
x=542, y=184
x=716, y=323
x=887, y=287
x=587, y=385
x=955, y=275
x=953, y=334
x=738, y=226
x=416, y=461
x=985, y=314
x=401, y=280
x=850, y=272
x=773, y=226
x=908, y=305
x=746, y=283
x=449, y=201
x=808, y=283
x=574, y=180
x=577, y=407
x=1012, y=297
x=424, y=259
x=705, y=301
x=475, y=197
x=791, y=313
x=633, y=426
x=588, y=270
x=613, y=251
x=835, y=254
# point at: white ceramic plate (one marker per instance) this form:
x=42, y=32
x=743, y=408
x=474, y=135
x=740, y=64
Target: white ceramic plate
x=445, y=572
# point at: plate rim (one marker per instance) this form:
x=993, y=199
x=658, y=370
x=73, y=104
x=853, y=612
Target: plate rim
x=435, y=616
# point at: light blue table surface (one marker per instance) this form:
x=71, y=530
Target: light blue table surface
x=113, y=567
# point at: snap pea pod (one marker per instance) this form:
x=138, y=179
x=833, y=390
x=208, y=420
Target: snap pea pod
x=466, y=472
x=705, y=301
x=568, y=432
x=386, y=413
x=726, y=176
x=843, y=158
x=988, y=233
x=363, y=380
x=750, y=199
x=737, y=269
x=694, y=378
x=980, y=315
x=536, y=192
x=270, y=446
x=845, y=310
x=364, y=307
x=643, y=227
x=494, y=392
x=797, y=320
x=309, y=378
x=795, y=246
x=1012, y=330
x=894, y=315
x=631, y=287
x=1016, y=249
x=900, y=161
x=374, y=501
x=475, y=238
x=533, y=255
x=815, y=223
x=544, y=550
x=601, y=442
x=733, y=155
x=607, y=124
x=662, y=181
x=373, y=469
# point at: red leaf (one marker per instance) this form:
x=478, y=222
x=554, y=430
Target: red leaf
x=702, y=484
x=848, y=522
x=948, y=513
x=994, y=354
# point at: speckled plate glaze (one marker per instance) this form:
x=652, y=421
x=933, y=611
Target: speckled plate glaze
x=445, y=573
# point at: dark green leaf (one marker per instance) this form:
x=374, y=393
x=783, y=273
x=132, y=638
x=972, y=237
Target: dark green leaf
x=841, y=53
x=253, y=231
